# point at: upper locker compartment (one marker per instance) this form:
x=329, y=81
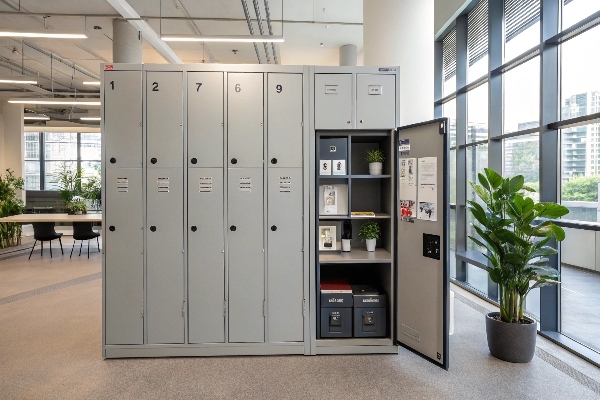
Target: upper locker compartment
x=284, y=121
x=123, y=119
x=245, y=120
x=375, y=101
x=205, y=119
x=333, y=101
x=164, y=105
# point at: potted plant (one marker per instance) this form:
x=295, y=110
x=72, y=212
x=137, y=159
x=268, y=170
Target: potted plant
x=375, y=158
x=10, y=232
x=92, y=191
x=370, y=232
x=69, y=183
x=515, y=232
x=77, y=206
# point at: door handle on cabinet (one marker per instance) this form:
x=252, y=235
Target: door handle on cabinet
x=232, y=228
x=153, y=228
x=273, y=228
x=194, y=228
x=194, y=160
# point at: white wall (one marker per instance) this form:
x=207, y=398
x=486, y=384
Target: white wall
x=581, y=248
x=400, y=33
x=446, y=11
x=12, y=139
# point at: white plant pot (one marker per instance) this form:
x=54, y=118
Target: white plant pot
x=371, y=244
x=345, y=244
x=78, y=212
x=375, y=168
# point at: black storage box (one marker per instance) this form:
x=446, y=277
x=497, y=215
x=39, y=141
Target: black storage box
x=336, y=151
x=336, y=309
x=370, y=311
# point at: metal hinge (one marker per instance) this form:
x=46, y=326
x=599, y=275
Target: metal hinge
x=264, y=313
x=304, y=307
x=142, y=310
x=183, y=310
x=224, y=308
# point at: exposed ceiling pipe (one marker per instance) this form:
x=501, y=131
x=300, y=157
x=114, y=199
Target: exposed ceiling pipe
x=271, y=28
x=250, y=28
x=194, y=27
x=260, y=28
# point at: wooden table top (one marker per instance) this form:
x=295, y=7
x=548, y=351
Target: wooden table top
x=29, y=218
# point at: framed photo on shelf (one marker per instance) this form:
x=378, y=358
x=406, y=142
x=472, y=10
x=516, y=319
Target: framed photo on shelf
x=330, y=236
x=333, y=200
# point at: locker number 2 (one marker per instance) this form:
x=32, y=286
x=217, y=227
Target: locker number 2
x=279, y=88
x=155, y=86
x=238, y=88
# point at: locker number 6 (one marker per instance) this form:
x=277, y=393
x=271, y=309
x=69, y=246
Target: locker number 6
x=279, y=88
x=238, y=88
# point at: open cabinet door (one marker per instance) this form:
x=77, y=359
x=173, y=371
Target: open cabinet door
x=422, y=242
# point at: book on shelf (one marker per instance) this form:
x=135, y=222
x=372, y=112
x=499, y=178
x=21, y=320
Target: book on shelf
x=335, y=286
x=362, y=214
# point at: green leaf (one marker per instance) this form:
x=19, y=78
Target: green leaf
x=516, y=183
x=528, y=189
x=483, y=181
x=514, y=259
x=493, y=177
x=550, y=210
x=544, y=252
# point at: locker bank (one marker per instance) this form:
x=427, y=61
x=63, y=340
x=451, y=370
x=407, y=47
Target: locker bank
x=212, y=187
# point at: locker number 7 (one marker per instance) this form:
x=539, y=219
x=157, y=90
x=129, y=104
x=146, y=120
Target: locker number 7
x=198, y=87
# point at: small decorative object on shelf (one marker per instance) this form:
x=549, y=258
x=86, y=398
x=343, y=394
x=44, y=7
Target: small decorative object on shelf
x=375, y=158
x=370, y=232
x=327, y=238
x=362, y=213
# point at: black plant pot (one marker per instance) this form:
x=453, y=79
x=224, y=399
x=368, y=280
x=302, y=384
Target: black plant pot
x=510, y=342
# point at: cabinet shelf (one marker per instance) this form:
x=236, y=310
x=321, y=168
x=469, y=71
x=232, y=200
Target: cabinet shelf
x=356, y=256
x=344, y=217
x=354, y=176
x=355, y=342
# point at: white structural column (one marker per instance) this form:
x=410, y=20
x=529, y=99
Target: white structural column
x=12, y=139
x=127, y=42
x=400, y=32
x=348, y=55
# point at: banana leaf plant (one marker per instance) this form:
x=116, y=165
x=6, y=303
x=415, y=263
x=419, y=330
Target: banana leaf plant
x=516, y=232
x=10, y=204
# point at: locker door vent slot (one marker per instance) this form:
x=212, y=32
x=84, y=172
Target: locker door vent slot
x=411, y=333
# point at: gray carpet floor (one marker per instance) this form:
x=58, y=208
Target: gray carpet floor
x=50, y=348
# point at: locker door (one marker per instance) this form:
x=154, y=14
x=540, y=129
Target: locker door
x=123, y=119
x=205, y=119
x=333, y=101
x=246, y=255
x=285, y=257
x=422, y=281
x=375, y=101
x=284, y=139
x=164, y=255
x=206, y=269
x=124, y=262
x=245, y=119
x=164, y=129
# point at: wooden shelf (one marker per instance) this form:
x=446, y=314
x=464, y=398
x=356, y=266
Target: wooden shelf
x=334, y=176
x=356, y=256
x=339, y=217
x=370, y=176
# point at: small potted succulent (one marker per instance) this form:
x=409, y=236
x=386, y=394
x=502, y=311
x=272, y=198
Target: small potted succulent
x=370, y=232
x=375, y=158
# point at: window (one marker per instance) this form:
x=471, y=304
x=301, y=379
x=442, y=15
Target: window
x=522, y=97
x=449, y=54
x=575, y=10
x=477, y=41
x=477, y=114
x=522, y=26
x=522, y=157
x=477, y=160
x=73, y=149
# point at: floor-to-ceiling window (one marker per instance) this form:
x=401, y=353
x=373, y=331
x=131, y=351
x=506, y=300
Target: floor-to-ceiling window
x=519, y=82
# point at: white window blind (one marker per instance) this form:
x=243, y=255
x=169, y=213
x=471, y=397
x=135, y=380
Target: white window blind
x=520, y=15
x=449, y=55
x=477, y=32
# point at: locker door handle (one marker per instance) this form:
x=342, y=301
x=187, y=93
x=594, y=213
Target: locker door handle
x=273, y=228
x=153, y=228
x=273, y=161
x=194, y=228
x=113, y=160
x=234, y=160
x=347, y=122
x=232, y=228
x=111, y=228
x=361, y=121
x=194, y=160
x=153, y=160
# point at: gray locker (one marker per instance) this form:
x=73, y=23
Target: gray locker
x=245, y=120
x=284, y=106
x=123, y=246
x=164, y=255
x=206, y=269
x=164, y=116
x=375, y=101
x=205, y=119
x=284, y=256
x=333, y=101
x=245, y=255
x=123, y=119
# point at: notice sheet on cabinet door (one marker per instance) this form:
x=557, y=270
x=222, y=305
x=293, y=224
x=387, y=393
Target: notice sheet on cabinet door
x=427, y=192
x=408, y=189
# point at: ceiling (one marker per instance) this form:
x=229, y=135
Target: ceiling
x=62, y=65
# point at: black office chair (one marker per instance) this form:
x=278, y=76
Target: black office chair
x=83, y=231
x=44, y=232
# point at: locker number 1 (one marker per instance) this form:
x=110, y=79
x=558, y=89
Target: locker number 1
x=198, y=87
x=112, y=85
x=279, y=88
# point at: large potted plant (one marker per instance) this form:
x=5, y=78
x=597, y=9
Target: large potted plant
x=10, y=232
x=69, y=183
x=515, y=232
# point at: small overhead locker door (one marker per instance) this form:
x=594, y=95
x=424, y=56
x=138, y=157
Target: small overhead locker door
x=333, y=101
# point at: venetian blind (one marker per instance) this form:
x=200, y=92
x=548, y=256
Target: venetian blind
x=520, y=15
x=477, y=32
x=449, y=55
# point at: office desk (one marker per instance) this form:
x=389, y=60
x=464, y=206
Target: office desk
x=29, y=218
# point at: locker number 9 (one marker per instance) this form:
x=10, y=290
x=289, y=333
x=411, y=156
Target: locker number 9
x=279, y=88
x=238, y=88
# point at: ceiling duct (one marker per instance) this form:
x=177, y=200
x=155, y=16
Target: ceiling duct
x=268, y=14
x=260, y=28
x=250, y=28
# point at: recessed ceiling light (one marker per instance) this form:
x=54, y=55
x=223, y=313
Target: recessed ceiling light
x=36, y=117
x=43, y=33
x=74, y=102
x=90, y=118
x=232, y=38
x=91, y=83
